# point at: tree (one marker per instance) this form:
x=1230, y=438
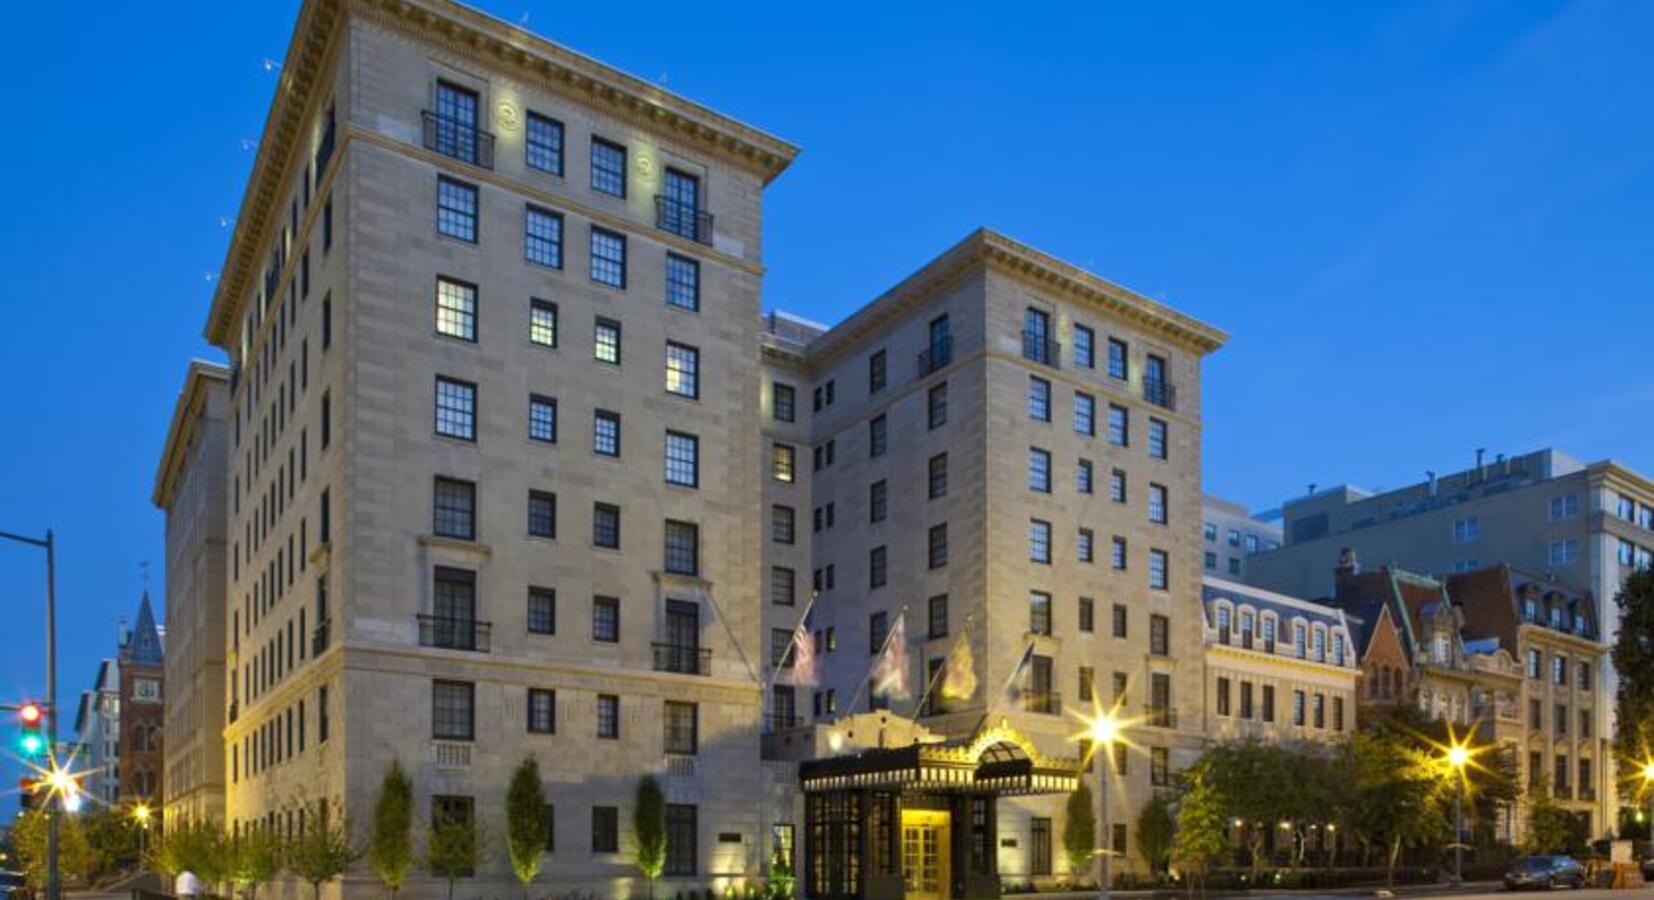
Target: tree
x=323, y=851
x=390, y=841
x=1258, y=782
x=113, y=837
x=1201, y=825
x=196, y=845
x=649, y=828
x=1156, y=832
x=1633, y=656
x=1079, y=830
x=1398, y=793
x=255, y=858
x=1551, y=829
x=75, y=858
x=452, y=848
x=525, y=822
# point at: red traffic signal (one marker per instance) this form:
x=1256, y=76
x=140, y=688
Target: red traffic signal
x=31, y=713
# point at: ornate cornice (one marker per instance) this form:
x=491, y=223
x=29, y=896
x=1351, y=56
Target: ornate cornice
x=192, y=402
x=474, y=35
x=988, y=249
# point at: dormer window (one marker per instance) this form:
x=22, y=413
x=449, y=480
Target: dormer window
x=1530, y=610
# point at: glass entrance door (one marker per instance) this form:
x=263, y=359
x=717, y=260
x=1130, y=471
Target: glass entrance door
x=925, y=873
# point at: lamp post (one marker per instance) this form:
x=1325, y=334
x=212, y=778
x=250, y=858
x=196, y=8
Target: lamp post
x=54, y=805
x=1104, y=731
x=1458, y=756
x=140, y=814
x=1648, y=789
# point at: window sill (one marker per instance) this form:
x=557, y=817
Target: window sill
x=458, y=545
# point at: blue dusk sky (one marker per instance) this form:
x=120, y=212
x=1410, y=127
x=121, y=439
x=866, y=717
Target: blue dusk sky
x=1425, y=225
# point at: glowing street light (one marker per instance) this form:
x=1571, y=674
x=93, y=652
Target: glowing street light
x=1458, y=756
x=1103, y=728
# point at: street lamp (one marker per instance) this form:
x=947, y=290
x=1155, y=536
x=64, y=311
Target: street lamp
x=54, y=884
x=140, y=814
x=1104, y=729
x=1458, y=757
x=1648, y=789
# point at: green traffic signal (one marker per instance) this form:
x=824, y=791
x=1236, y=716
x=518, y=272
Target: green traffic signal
x=32, y=744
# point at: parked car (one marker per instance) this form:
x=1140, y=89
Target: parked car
x=1544, y=872
x=1648, y=868
x=12, y=884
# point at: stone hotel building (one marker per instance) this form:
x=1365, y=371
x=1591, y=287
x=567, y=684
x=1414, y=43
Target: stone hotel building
x=515, y=467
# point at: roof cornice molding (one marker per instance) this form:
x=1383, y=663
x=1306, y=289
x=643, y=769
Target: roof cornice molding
x=986, y=249
x=477, y=36
x=192, y=401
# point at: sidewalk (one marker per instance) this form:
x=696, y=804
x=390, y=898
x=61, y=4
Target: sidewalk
x=1440, y=889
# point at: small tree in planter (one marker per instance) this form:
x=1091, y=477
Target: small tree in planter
x=1156, y=830
x=390, y=843
x=323, y=852
x=1079, y=830
x=649, y=829
x=781, y=875
x=525, y=823
x=453, y=848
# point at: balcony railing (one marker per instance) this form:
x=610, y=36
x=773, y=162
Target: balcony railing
x=1160, y=716
x=320, y=638
x=937, y=355
x=1562, y=792
x=778, y=722
x=1160, y=392
x=1046, y=703
x=453, y=633
x=683, y=219
x=683, y=659
x=1588, y=793
x=1040, y=349
x=460, y=140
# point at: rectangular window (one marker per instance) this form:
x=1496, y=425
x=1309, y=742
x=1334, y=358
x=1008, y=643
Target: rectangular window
x=683, y=282
x=606, y=619
x=1085, y=545
x=456, y=309
x=608, y=717
x=543, y=237
x=1085, y=414
x=877, y=436
x=608, y=167
x=1119, y=426
x=1117, y=553
x=452, y=713
x=938, y=476
x=542, y=418
x=936, y=405
x=456, y=408
x=1039, y=541
x=1298, y=708
x=878, y=367
x=782, y=519
x=1120, y=620
x=938, y=549
x=683, y=548
x=1117, y=359
x=1039, y=846
x=542, y=323
x=1160, y=767
x=1039, y=399
x=682, y=728
x=606, y=341
x=543, y=147
x=783, y=402
x=542, y=611
x=1039, y=612
x=783, y=462
x=605, y=829
x=1039, y=470
x=1157, y=439
x=1223, y=696
x=877, y=563
x=456, y=209
x=1085, y=344
x=605, y=433
x=606, y=526
x=1157, y=504
x=876, y=503
x=454, y=509
x=878, y=628
x=783, y=586
x=542, y=514
x=938, y=616
x=608, y=257
x=683, y=370
x=683, y=454
x=681, y=833
x=1157, y=570
x=1160, y=628
x=1083, y=476
x=542, y=711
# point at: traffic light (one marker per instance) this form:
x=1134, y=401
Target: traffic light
x=30, y=742
x=27, y=798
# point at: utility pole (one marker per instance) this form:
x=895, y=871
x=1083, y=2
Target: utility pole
x=54, y=803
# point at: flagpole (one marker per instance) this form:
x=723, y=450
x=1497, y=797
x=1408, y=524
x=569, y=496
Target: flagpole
x=901, y=617
x=765, y=838
x=775, y=670
x=930, y=683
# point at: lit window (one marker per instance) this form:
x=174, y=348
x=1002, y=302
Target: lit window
x=542, y=323
x=606, y=342
x=683, y=370
x=456, y=309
